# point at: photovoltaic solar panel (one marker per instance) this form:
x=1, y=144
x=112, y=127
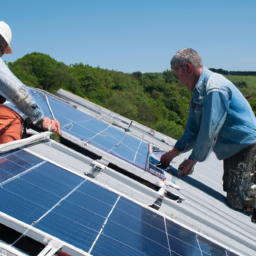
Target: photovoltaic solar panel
x=90, y=217
x=97, y=133
x=92, y=131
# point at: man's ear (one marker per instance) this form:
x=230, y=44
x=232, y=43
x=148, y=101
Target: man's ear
x=188, y=68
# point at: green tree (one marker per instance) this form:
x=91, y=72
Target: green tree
x=37, y=65
x=123, y=103
x=62, y=77
x=169, y=128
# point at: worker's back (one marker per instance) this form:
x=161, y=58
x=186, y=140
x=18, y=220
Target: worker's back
x=239, y=128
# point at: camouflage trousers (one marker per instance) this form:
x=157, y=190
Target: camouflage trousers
x=238, y=178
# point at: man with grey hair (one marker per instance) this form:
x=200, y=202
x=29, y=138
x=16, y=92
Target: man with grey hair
x=220, y=120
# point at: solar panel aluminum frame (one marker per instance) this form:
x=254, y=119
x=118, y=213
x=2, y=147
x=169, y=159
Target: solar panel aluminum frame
x=8, y=248
x=24, y=142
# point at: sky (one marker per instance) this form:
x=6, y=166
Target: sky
x=134, y=35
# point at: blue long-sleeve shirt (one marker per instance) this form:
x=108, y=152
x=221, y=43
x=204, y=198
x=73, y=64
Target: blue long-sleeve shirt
x=220, y=119
x=17, y=93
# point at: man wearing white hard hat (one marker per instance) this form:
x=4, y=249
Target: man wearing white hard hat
x=15, y=91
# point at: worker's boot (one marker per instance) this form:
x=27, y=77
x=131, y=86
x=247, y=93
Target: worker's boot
x=238, y=178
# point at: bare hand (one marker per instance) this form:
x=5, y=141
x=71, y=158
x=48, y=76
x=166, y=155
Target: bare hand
x=186, y=167
x=51, y=125
x=167, y=157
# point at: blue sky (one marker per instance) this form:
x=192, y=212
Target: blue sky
x=134, y=35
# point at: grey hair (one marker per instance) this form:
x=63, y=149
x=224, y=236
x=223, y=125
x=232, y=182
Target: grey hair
x=187, y=55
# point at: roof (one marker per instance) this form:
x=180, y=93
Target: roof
x=119, y=206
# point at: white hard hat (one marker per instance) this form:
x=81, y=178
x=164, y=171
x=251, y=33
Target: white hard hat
x=6, y=33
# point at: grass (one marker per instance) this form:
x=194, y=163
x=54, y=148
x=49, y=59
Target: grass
x=250, y=81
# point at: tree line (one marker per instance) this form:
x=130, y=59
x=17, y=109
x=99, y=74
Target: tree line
x=156, y=100
x=233, y=73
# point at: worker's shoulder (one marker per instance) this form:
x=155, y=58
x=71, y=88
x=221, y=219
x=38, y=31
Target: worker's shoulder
x=217, y=82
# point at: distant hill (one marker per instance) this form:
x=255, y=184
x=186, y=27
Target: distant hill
x=156, y=100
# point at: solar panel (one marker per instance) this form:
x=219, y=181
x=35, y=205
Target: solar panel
x=104, y=136
x=112, y=140
x=91, y=217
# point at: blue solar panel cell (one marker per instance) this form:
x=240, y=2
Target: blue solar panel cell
x=94, y=125
x=80, y=132
x=46, y=177
x=134, y=240
x=138, y=226
x=138, y=212
x=32, y=193
x=62, y=111
x=32, y=160
x=139, y=230
x=106, y=246
x=104, y=142
x=143, y=148
x=65, y=122
x=19, y=207
x=56, y=175
x=131, y=142
x=123, y=152
x=67, y=111
x=82, y=214
x=114, y=132
x=98, y=193
x=29, y=196
x=182, y=241
x=4, y=175
x=89, y=203
x=140, y=161
x=10, y=167
x=15, y=163
x=67, y=229
x=19, y=161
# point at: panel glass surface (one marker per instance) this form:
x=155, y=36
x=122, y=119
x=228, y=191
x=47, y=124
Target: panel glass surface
x=97, y=133
x=139, y=231
x=79, y=218
x=88, y=216
x=36, y=188
x=15, y=163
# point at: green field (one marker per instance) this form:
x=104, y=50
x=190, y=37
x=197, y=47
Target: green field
x=251, y=83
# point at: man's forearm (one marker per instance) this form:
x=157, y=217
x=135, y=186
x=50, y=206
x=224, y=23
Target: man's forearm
x=16, y=92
